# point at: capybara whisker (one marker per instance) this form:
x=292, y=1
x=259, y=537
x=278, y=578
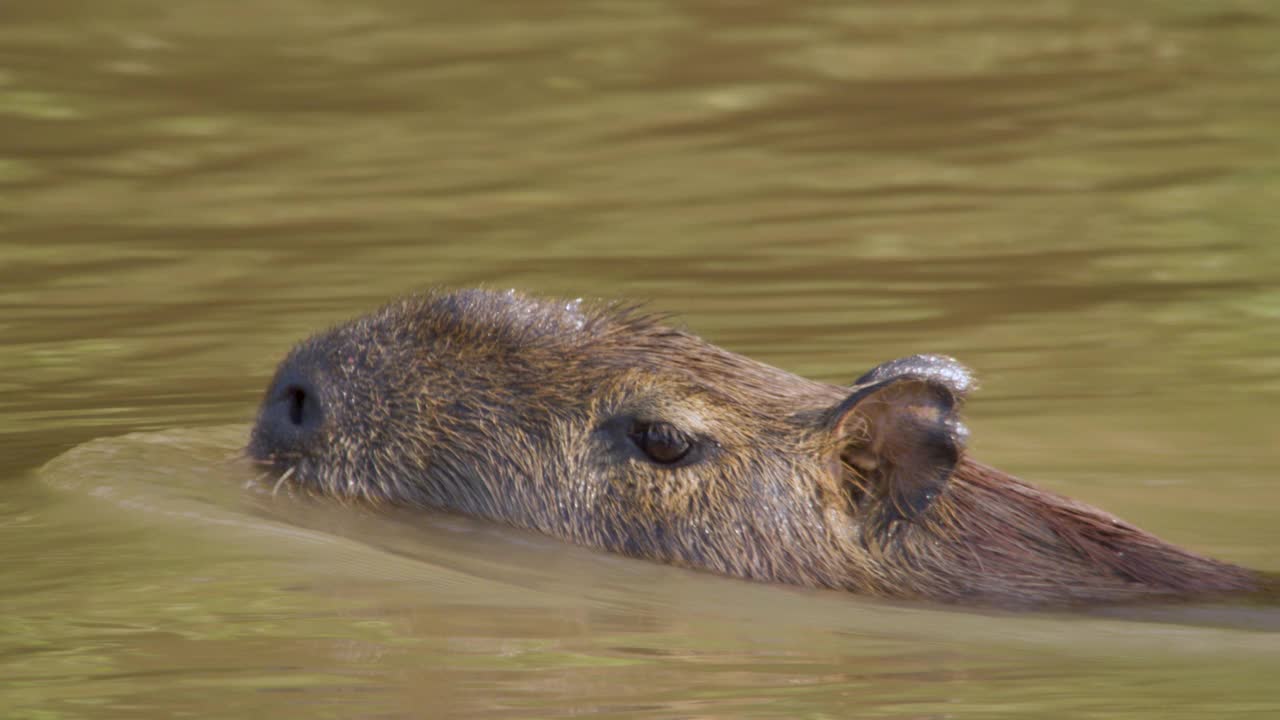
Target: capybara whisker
x=284, y=477
x=257, y=479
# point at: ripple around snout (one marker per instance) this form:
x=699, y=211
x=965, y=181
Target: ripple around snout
x=200, y=480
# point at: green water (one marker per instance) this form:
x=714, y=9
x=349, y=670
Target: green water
x=1081, y=200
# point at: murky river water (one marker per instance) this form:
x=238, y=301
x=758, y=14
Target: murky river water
x=1079, y=199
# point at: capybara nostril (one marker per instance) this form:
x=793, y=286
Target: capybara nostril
x=292, y=414
x=299, y=402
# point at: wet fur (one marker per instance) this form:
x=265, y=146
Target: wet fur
x=997, y=539
x=507, y=407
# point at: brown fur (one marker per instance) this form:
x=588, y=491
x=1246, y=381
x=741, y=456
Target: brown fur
x=518, y=409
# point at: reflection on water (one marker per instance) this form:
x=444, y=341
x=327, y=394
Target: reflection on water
x=1078, y=199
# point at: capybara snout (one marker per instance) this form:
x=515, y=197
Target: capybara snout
x=292, y=414
x=606, y=427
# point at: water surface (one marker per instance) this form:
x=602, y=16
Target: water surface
x=1078, y=199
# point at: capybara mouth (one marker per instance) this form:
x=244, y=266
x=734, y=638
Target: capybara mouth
x=606, y=427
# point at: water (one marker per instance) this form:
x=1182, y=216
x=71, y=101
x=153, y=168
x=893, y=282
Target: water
x=1077, y=199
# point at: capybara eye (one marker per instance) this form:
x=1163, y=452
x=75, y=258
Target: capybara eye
x=661, y=441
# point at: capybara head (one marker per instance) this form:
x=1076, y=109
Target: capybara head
x=606, y=427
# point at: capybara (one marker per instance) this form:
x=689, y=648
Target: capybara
x=604, y=426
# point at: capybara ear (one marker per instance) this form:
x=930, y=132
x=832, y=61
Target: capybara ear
x=899, y=435
x=939, y=368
